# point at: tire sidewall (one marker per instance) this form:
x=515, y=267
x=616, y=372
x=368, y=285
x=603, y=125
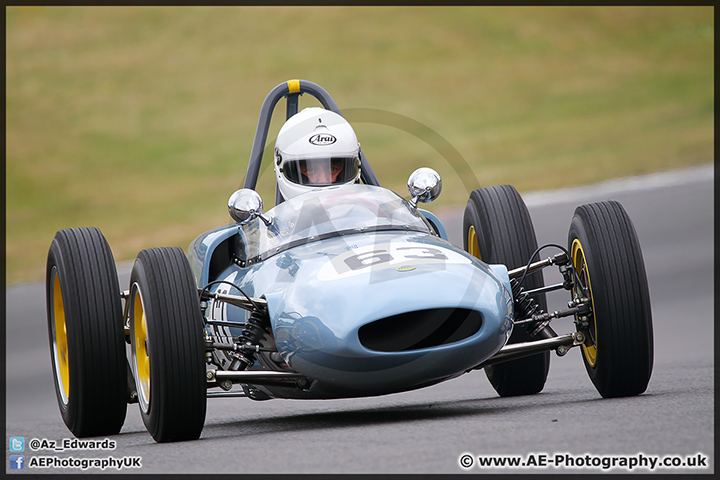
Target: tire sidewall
x=139, y=284
x=597, y=282
x=55, y=262
x=471, y=218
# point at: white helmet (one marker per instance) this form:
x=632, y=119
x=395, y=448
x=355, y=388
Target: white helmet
x=315, y=148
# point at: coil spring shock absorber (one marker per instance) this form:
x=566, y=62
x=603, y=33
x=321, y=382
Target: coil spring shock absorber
x=249, y=340
x=526, y=307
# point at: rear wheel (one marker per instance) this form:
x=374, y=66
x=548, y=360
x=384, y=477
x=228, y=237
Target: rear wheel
x=168, y=349
x=497, y=229
x=606, y=253
x=87, y=339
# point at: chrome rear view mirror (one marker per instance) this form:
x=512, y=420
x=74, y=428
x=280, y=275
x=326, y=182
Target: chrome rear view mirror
x=424, y=185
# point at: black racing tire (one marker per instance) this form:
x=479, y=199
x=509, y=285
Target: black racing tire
x=87, y=338
x=497, y=229
x=606, y=253
x=167, y=344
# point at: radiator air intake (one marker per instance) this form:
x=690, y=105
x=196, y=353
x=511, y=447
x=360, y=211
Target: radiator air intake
x=420, y=329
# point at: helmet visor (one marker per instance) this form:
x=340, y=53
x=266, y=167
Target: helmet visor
x=322, y=171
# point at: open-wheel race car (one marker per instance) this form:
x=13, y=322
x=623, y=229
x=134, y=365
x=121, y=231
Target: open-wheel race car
x=343, y=289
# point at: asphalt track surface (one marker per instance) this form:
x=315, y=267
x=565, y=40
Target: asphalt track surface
x=428, y=430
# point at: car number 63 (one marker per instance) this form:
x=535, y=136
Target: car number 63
x=376, y=257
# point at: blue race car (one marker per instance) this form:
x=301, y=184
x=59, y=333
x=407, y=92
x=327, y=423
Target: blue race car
x=343, y=289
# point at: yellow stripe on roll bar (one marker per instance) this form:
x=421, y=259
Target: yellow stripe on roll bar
x=293, y=86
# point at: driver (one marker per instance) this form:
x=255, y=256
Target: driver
x=315, y=148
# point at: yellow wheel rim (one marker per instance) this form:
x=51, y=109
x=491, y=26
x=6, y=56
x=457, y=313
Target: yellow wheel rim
x=473, y=245
x=578, y=258
x=60, y=343
x=140, y=351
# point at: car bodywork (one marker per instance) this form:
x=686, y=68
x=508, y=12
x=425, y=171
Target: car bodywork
x=363, y=295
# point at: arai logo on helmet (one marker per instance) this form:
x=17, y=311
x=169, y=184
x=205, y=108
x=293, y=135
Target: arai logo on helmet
x=322, y=139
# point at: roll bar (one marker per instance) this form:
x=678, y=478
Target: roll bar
x=292, y=89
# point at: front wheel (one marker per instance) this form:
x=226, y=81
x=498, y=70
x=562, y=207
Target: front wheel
x=497, y=229
x=87, y=339
x=168, y=349
x=606, y=253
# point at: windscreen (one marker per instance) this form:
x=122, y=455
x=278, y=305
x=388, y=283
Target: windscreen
x=329, y=212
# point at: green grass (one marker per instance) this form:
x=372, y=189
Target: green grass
x=139, y=120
